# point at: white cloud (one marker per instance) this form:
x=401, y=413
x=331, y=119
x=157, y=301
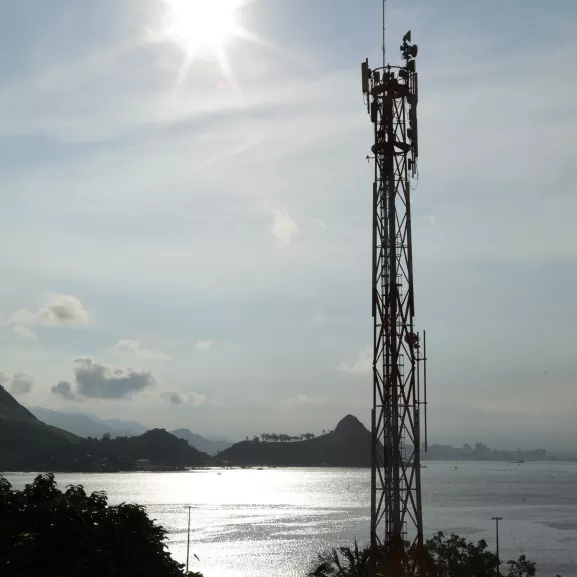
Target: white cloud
x=184, y=398
x=41, y=101
x=362, y=365
x=312, y=400
x=58, y=310
x=19, y=384
x=24, y=332
x=320, y=223
x=204, y=345
x=134, y=349
x=283, y=226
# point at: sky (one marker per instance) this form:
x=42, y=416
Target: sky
x=186, y=220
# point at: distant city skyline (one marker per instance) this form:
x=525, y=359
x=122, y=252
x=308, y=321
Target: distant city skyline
x=185, y=223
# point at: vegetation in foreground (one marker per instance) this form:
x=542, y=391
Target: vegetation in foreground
x=52, y=533
x=443, y=556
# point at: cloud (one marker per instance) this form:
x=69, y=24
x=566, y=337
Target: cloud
x=318, y=318
x=64, y=390
x=320, y=223
x=58, y=310
x=19, y=384
x=138, y=98
x=203, y=345
x=98, y=381
x=184, y=398
x=310, y=400
x=363, y=364
x=24, y=332
x=283, y=226
x=133, y=348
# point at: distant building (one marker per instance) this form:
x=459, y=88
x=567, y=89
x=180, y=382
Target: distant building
x=481, y=449
x=143, y=465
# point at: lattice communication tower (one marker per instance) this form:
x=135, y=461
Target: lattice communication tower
x=396, y=516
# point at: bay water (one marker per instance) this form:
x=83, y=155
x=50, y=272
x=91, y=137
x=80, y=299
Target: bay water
x=273, y=522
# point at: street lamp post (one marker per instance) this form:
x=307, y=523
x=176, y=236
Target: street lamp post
x=188, y=537
x=497, y=519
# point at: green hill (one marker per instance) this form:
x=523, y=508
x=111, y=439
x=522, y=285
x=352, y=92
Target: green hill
x=157, y=445
x=349, y=445
x=28, y=444
x=24, y=439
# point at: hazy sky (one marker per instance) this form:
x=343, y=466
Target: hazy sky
x=185, y=234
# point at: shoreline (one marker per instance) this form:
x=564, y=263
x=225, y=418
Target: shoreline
x=268, y=467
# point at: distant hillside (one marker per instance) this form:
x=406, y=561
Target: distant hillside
x=220, y=438
x=124, y=428
x=201, y=443
x=85, y=425
x=24, y=440
x=349, y=445
x=28, y=444
x=157, y=445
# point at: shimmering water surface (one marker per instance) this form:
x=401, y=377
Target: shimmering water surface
x=272, y=522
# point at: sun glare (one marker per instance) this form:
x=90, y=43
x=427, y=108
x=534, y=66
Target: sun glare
x=202, y=24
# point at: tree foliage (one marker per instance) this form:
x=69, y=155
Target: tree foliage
x=47, y=532
x=522, y=568
x=343, y=561
x=284, y=438
x=441, y=556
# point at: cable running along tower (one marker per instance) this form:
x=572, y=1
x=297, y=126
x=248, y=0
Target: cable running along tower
x=391, y=94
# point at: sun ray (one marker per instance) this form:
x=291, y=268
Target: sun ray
x=203, y=28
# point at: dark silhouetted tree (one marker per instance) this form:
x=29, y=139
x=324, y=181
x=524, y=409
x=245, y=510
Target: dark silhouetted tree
x=343, y=561
x=441, y=557
x=522, y=568
x=46, y=532
x=284, y=438
x=456, y=557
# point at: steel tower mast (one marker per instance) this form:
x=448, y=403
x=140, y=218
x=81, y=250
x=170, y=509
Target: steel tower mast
x=396, y=516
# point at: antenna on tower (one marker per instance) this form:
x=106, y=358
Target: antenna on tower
x=384, y=33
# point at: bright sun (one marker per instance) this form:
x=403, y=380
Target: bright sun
x=202, y=24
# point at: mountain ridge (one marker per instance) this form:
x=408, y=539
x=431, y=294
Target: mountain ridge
x=88, y=425
x=24, y=438
x=28, y=444
x=349, y=445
